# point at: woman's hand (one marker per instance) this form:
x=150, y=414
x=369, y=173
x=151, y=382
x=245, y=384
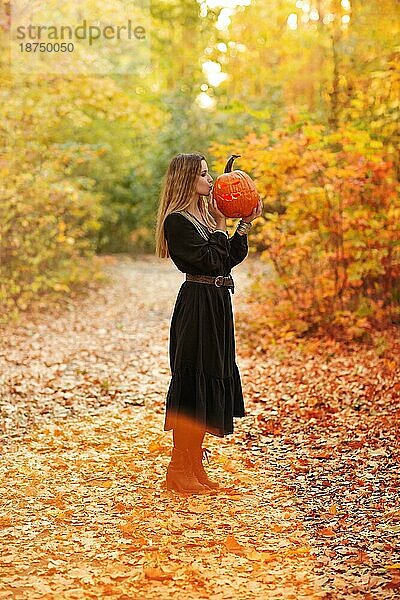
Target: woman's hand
x=214, y=211
x=257, y=211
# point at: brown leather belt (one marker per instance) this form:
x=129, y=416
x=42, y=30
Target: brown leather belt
x=219, y=281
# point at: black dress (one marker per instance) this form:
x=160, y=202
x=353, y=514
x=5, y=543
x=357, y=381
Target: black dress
x=205, y=383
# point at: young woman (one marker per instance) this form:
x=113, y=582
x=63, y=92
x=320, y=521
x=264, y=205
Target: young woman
x=205, y=391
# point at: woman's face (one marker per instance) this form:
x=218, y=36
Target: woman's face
x=204, y=183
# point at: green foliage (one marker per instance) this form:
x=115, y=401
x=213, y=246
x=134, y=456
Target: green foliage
x=47, y=229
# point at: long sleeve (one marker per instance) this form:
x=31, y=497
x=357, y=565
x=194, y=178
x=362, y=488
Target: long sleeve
x=189, y=250
x=238, y=249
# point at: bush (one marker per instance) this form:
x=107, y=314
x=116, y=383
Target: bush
x=47, y=227
x=331, y=230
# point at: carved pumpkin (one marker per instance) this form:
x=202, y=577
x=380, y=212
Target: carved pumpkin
x=235, y=192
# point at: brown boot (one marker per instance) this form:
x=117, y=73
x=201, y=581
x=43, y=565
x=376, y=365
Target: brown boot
x=196, y=456
x=179, y=474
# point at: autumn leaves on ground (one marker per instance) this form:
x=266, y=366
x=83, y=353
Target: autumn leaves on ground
x=309, y=505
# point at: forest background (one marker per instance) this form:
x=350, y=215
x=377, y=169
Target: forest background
x=306, y=92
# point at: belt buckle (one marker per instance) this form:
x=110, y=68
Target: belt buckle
x=219, y=277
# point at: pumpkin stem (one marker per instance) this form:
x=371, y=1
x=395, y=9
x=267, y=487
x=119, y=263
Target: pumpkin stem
x=228, y=167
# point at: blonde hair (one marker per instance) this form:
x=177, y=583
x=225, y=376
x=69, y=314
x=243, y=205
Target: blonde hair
x=179, y=185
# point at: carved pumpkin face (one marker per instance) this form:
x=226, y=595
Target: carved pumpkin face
x=235, y=192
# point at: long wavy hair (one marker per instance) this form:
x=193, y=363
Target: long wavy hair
x=179, y=185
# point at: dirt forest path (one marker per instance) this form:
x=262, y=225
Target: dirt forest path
x=84, y=512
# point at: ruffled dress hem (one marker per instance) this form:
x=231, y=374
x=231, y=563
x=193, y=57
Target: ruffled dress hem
x=210, y=400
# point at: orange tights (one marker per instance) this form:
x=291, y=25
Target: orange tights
x=188, y=434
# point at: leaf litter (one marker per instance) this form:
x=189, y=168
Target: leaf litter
x=309, y=504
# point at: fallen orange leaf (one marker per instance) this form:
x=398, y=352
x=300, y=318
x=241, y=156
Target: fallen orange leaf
x=326, y=531
x=156, y=573
x=232, y=544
